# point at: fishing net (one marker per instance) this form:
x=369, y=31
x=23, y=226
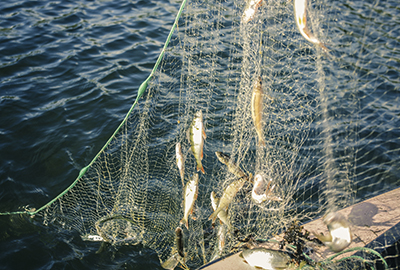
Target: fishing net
x=330, y=124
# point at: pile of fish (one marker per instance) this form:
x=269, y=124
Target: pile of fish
x=262, y=190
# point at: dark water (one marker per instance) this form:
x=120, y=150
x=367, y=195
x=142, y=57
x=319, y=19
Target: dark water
x=69, y=72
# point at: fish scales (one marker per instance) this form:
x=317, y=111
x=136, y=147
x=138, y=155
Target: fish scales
x=197, y=136
x=180, y=162
x=190, y=196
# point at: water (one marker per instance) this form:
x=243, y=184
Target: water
x=69, y=72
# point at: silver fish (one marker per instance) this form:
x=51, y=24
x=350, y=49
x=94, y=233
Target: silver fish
x=180, y=162
x=222, y=215
x=221, y=242
x=190, y=193
x=250, y=10
x=339, y=232
x=263, y=258
x=227, y=196
x=300, y=15
x=197, y=136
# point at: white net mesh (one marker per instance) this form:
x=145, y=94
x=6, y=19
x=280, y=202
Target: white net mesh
x=330, y=123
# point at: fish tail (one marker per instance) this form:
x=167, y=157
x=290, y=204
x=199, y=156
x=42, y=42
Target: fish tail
x=185, y=221
x=200, y=168
x=213, y=217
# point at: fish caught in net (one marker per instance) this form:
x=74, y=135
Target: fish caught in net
x=293, y=130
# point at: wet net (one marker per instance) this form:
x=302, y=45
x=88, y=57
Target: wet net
x=330, y=122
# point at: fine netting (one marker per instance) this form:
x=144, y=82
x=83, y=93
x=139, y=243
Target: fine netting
x=330, y=124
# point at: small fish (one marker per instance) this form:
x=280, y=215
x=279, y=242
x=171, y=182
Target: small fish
x=263, y=258
x=190, y=193
x=222, y=215
x=221, y=242
x=96, y=238
x=197, y=136
x=260, y=192
x=180, y=162
x=300, y=15
x=179, y=241
x=339, y=232
x=256, y=109
x=227, y=197
x=232, y=167
x=250, y=10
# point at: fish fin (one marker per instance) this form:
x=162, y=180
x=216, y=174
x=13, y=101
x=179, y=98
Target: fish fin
x=213, y=216
x=220, y=222
x=201, y=169
x=261, y=142
x=204, y=134
x=192, y=213
x=186, y=222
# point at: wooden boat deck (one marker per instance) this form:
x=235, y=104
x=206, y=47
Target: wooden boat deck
x=369, y=220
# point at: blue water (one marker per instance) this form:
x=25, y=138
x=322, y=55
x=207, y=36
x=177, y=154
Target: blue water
x=69, y=72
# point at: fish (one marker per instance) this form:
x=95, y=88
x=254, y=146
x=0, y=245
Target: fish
x=300, y=15
x=180, y=162
x=263, y=258
x=222, y=215
x=232, y=167
x=250, y=10
x=190, y=196
x=227, y=197
x=92, y=237
x=256, y=109
x=179, y=241
x=260, y=193
x=197, y=136
x=221, y=234
x=339, y=232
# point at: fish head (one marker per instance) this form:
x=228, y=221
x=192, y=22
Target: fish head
x=178, y=147
x=224, y=158
x=199, y=114
x=195, y=178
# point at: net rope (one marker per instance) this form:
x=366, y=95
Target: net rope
x=330, y=123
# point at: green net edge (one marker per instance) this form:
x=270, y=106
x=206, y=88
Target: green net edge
x=141, y=90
